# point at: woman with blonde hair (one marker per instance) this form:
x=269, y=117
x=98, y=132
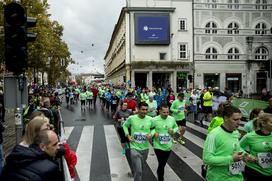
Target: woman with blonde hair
x=35, y=125
x=259, y=145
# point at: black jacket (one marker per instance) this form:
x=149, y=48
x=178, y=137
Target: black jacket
x=29, y=164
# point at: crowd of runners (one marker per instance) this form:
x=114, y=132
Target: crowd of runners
x=157, y=118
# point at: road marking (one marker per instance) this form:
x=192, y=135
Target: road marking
x=194, y=139
x=68, y=131
x=197, y=128
x=152, y=162
x=118, y=164
x=188, y=157
x=84, y=153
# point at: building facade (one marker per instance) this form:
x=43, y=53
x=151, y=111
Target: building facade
x=233, y=44
x=152, y=45
x=200, y=43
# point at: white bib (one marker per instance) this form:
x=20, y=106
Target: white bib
x=139, y=137
x=164, y=138
x=237, y=167
x=265, y=160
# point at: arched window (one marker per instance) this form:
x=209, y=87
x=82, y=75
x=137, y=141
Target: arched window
x=211, y=3
x=233, y=4
x=260, y=29
x=233, y=28
x=211, y=53
x=261, y=4
x=261, y=54
x=233, y=54
x=211, y=28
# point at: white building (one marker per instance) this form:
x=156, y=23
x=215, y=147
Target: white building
x=233, y=44
x=151, y=44
x=217, y=43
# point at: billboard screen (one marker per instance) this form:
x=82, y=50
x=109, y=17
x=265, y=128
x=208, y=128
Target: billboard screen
x=152, y=28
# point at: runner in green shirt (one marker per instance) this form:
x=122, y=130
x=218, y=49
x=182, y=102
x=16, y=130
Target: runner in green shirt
x=222, y=152
x=82, y=98
x=178, y=108
x=165, y=127
x=259, y=144
x=89, y=95
x=140, y=125
x=218, y=120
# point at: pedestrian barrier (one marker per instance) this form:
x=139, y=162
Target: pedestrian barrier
x=66, y=173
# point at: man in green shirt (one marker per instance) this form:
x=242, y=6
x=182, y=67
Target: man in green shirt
x=165, y=127
x=178, y=108
x=140, y=125
x=222, y=152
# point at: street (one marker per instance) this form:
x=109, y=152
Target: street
x=91, y=133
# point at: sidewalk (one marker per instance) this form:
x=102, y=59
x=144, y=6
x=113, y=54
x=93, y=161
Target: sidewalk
x=9, y=137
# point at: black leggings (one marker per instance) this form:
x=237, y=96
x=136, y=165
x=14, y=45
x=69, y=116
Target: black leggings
x=162, y=157
x=253, y=175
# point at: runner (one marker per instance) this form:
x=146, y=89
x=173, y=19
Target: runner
x=178, y=109
x=222, y=152
x=89, y=97
x=165, y=127
x=140, y=125
x=83, y=97
x=259, y=144
x=120, y=117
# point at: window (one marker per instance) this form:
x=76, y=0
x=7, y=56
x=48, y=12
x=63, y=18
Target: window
x=211, y=53
x=233, y=28
x=211, y=3
x=261, y=53
x=182, y=51
x=233, y=4
x=162, y=56
x=211, y=28
x=261, y=4
x=260, y=29
x=182, y=24
x=233, y=53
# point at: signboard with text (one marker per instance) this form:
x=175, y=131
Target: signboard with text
x=152, y=28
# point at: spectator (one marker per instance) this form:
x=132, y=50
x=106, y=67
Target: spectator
x=35, y=163
x=35, y=125
x=268, y=109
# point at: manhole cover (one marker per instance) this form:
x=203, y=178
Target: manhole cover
x=114, y=175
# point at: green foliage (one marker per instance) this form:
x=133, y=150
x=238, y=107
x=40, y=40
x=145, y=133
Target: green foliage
x=49, y=53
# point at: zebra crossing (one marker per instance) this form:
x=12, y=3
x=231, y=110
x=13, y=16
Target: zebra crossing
x=184, y=162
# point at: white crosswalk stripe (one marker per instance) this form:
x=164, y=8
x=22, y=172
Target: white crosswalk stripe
x=118, y=164
x=84, y=154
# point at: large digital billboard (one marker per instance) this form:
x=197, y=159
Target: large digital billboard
x=152, y=28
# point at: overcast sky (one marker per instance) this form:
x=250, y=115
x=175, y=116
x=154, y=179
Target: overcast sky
x=88, y=26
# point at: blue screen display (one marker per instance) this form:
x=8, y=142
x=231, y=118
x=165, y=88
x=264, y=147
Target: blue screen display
x=152, y=29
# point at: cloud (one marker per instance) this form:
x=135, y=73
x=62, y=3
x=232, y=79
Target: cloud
x=87, y=22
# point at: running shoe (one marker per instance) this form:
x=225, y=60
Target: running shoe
x=181, y=141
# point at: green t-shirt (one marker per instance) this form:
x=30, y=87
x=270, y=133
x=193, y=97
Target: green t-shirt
x=216, y=121
x=259, y=146
x=164, y=141
x=207, y=99
x=218, y=149
x=82, y=96
x=178, y=108
x=139, y=129
x=89, y=95
x=248, y=127
x=152, y=107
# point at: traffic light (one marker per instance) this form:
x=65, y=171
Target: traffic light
x=16, y=37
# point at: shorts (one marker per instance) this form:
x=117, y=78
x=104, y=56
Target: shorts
x=181, y=123
x=82, y=102
x=207, y=109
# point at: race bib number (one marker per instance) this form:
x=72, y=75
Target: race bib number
x=237, y=167
x=181, y=108
x=114, y=101
x=164, y=138
x=265, y=160
x=139, y=137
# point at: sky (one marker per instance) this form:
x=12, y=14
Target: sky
x=88, y=26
